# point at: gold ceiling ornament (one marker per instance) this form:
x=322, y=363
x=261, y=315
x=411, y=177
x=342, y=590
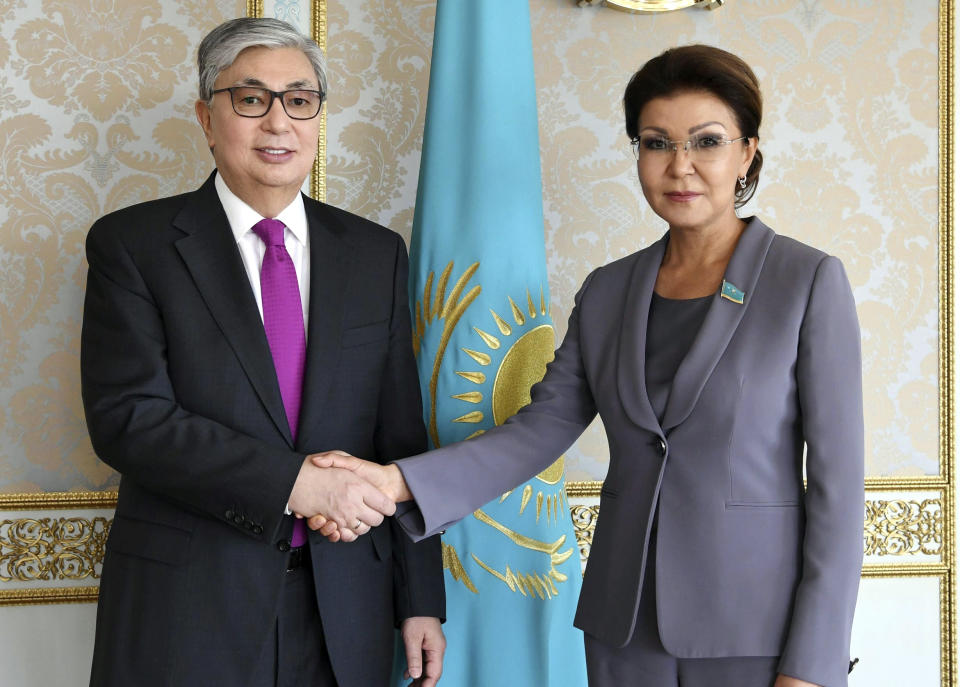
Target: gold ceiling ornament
x=653, y=6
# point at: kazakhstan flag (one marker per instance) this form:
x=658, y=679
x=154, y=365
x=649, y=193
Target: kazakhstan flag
x=482, y=337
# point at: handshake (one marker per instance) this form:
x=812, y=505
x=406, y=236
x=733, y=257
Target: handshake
x=343, y=497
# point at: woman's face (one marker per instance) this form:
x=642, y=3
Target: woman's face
x=691, y=188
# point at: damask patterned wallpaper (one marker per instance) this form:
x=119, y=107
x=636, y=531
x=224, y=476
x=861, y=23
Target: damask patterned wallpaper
x=96, y=113
x=849, y=141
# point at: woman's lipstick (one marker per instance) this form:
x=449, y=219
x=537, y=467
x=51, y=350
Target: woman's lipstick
x=682, y=196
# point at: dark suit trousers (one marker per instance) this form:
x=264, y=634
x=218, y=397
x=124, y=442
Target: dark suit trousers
x=295, y=654
x=645, y=663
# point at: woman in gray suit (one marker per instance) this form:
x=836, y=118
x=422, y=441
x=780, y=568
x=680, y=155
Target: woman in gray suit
x=715, y=357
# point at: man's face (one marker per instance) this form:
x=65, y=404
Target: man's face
x=263, y=160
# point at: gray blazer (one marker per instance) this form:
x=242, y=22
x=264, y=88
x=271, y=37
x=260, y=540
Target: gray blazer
x=748, y=563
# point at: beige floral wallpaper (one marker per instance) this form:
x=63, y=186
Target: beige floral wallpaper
x=96, y=100
x=95, y=113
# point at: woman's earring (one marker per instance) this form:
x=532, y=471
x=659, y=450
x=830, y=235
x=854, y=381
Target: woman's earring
x=742, y=181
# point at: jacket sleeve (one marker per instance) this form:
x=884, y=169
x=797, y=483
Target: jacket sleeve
x=418, y=567
x=135, y=421
x=450, y=483
x=831, y=402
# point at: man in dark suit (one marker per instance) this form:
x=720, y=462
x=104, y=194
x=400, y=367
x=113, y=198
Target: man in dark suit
x=221, y=328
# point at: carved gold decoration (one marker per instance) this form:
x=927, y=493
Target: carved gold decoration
x=43, y=549
x=584, y=523
x=902, y=528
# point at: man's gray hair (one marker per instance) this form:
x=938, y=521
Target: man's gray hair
x=220, y=48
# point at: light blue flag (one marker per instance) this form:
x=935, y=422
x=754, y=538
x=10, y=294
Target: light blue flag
x=483, y=336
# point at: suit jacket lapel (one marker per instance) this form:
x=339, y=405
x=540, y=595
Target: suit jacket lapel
x=718, y=327
x=631, y=377
x=330, y=260
x=211, y=256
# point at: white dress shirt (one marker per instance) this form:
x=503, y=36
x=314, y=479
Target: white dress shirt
x=296, y=238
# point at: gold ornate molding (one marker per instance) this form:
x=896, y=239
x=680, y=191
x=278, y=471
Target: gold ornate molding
x=45, y=549
x=903, y=528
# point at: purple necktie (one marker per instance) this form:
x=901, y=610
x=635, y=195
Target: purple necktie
x=283, y=323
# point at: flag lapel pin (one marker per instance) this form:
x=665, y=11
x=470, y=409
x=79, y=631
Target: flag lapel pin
x=731, y=293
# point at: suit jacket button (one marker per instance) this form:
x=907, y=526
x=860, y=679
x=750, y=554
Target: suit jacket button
x=257, y=529
x=283, y=545
x=662, y=446
x=238, y=519
x=228, y=515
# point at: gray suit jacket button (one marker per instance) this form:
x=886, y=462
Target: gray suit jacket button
x=283, y=545
x=662, y=446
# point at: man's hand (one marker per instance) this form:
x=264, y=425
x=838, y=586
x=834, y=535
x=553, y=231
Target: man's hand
x=786, y=681
x=344, y=497
x=386, y=478
x=424, y=644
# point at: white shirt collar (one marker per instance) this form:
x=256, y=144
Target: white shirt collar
x=242, y=217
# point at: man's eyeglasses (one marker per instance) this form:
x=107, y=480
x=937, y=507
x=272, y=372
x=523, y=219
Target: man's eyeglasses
x=250, y=101
x=704, y=147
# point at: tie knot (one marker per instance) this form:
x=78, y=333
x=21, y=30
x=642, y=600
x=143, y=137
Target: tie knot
x=270, y=231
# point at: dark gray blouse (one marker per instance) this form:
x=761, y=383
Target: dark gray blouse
x=671, y=328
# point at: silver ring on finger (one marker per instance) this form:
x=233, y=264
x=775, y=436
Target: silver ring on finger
x=359, y=524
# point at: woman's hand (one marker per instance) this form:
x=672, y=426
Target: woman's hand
x=786, y=681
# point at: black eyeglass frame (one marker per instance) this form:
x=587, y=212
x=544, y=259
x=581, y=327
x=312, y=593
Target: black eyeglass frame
x=274, y=95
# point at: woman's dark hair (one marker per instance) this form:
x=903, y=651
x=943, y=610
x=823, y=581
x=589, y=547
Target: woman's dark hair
x=701, y=68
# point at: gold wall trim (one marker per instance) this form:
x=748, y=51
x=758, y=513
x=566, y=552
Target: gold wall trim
x=55, y=500
x=585, y=489
x=949, y=590
x=318, y=30
x=60, y=595
x=919, y=570
x=255, y=8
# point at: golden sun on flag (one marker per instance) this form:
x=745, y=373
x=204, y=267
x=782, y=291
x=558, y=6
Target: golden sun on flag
x=522, y=365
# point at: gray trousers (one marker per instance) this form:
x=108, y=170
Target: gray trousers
x=645, y=663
